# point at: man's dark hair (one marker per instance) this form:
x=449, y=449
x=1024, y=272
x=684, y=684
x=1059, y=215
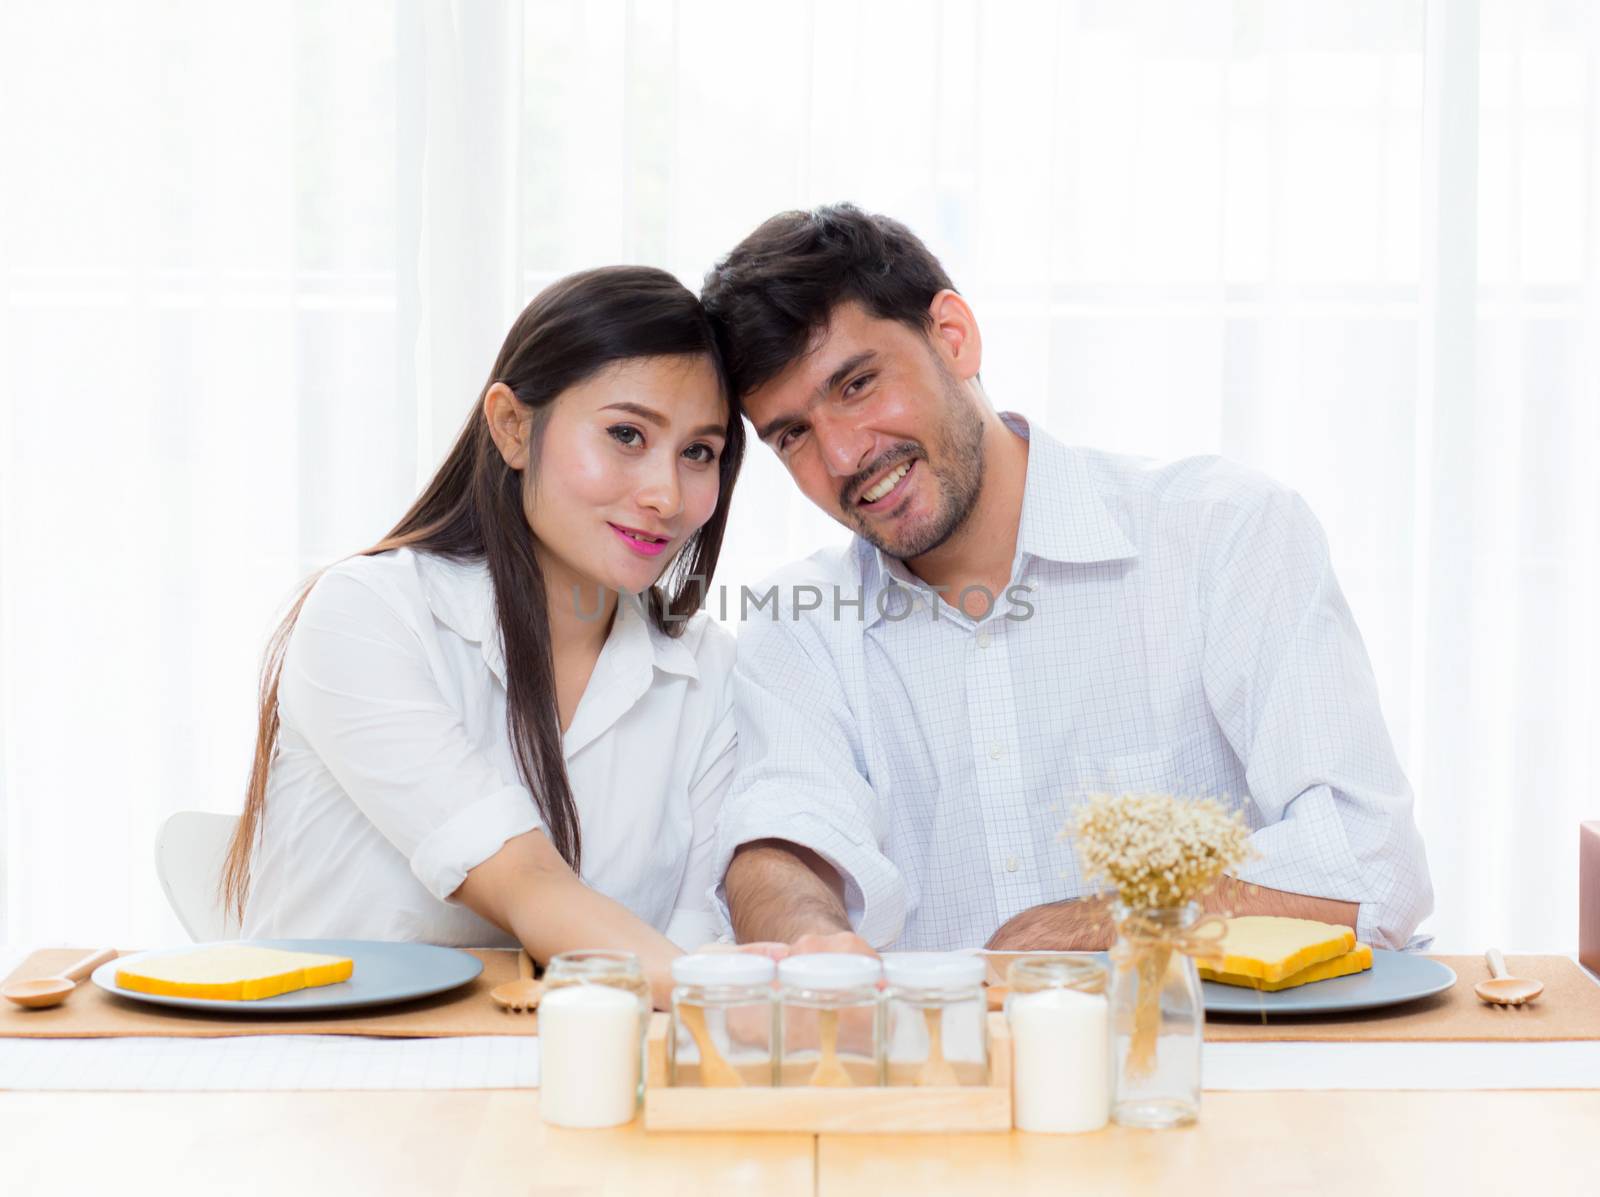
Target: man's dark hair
x=779, y=286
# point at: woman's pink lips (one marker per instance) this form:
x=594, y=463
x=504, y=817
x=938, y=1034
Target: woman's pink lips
x=881, y=504
x=643, y=548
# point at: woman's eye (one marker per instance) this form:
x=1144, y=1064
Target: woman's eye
x=626, y=434
x=702, y=453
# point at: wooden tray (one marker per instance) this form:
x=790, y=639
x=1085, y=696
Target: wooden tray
x=898, y=1109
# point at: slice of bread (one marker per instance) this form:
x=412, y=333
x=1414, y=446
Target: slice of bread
x=1357, y=959
x=1270, y=948
x=233, y=972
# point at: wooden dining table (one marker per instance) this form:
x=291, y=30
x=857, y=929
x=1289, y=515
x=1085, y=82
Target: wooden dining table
x=1399, y=1136
x=484, y=1142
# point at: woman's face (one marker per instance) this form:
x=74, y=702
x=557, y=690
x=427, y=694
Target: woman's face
x=627, y=472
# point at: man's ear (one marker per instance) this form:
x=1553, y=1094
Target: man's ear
x=510, y=424
x=955, y=333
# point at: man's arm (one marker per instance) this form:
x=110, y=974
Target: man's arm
x=1074, y=925
x=781, y=891
x=1289, y=683
x=798, y=847
x=1233, y=897
x=1084, y=924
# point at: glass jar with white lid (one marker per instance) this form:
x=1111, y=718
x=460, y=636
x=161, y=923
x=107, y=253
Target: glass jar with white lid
x=722, y=1021
x=830, y=1020
x=936, y=1019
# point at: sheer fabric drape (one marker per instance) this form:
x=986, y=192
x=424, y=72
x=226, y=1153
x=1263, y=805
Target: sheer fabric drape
x=257, y=259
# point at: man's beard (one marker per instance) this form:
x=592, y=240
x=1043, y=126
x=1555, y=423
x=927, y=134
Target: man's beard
x=959, y=441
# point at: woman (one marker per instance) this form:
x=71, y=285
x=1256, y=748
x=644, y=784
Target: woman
x=505, y=723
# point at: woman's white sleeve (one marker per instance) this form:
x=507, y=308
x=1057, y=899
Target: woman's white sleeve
x=357, y=686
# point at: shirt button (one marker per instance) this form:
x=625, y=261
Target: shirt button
x=1011, y=864
x=983, y=639
x=996, y=751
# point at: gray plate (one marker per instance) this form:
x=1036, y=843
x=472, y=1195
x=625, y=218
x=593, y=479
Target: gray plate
x=1393, y=979
x=384, y=973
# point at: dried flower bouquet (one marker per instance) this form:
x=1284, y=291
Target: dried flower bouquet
x=1158, y=852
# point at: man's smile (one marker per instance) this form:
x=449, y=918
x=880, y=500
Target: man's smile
x=886, y=489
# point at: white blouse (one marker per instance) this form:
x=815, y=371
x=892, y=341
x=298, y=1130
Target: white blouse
x=394, y=773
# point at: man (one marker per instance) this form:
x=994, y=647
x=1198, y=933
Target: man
x=1017, y=624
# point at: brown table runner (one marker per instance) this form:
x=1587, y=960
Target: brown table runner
x=92, y=1013
x=1569, y=1008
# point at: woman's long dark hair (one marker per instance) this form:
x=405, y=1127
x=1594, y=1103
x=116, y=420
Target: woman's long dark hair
x=473, y=510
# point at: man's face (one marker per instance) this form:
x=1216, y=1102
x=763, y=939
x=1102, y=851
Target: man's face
x=877, y=428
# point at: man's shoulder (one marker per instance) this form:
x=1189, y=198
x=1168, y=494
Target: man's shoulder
x=1204, y=482
x=798, y=600
x=1195, y=505
x=1207, y=510
x=834, y=564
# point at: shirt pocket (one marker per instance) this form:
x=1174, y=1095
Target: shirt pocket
x=1178, y=767
x=1199, y=765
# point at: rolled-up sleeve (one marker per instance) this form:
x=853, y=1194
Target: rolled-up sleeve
x=1290, y=683
x=802, y=775
x=357, y=686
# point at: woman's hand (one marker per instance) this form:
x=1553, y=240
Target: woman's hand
x=527, y=889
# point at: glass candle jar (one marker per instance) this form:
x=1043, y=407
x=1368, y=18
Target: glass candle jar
x=936, y=1020
x=722, y=1021
x=830, y=1020
x=592, y=1023
x=1061, y=1044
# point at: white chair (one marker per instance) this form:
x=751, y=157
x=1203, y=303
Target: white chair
x=190, y=849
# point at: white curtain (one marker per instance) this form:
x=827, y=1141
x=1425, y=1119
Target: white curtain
x=257, y=259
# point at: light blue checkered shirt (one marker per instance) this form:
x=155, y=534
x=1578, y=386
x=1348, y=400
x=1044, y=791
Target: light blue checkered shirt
x=1187, y=636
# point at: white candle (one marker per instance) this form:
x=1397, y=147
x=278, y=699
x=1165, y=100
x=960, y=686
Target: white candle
x=589, y=1051
x=1061, y=1061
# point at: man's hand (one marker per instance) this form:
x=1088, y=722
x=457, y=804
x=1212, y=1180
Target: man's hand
x=770, y=949
x=1076, y=925
x=835, y=941
x=1084, y=924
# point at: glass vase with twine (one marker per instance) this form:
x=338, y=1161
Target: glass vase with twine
x=1157, y=1015
x=1159, y=853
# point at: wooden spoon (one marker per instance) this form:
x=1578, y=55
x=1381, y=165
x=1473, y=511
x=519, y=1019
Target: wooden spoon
x=715, y=1072
x=938, y=1070
x=52, y=991
x=829, y=1073
x=1504, y=989
x=522, y=995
